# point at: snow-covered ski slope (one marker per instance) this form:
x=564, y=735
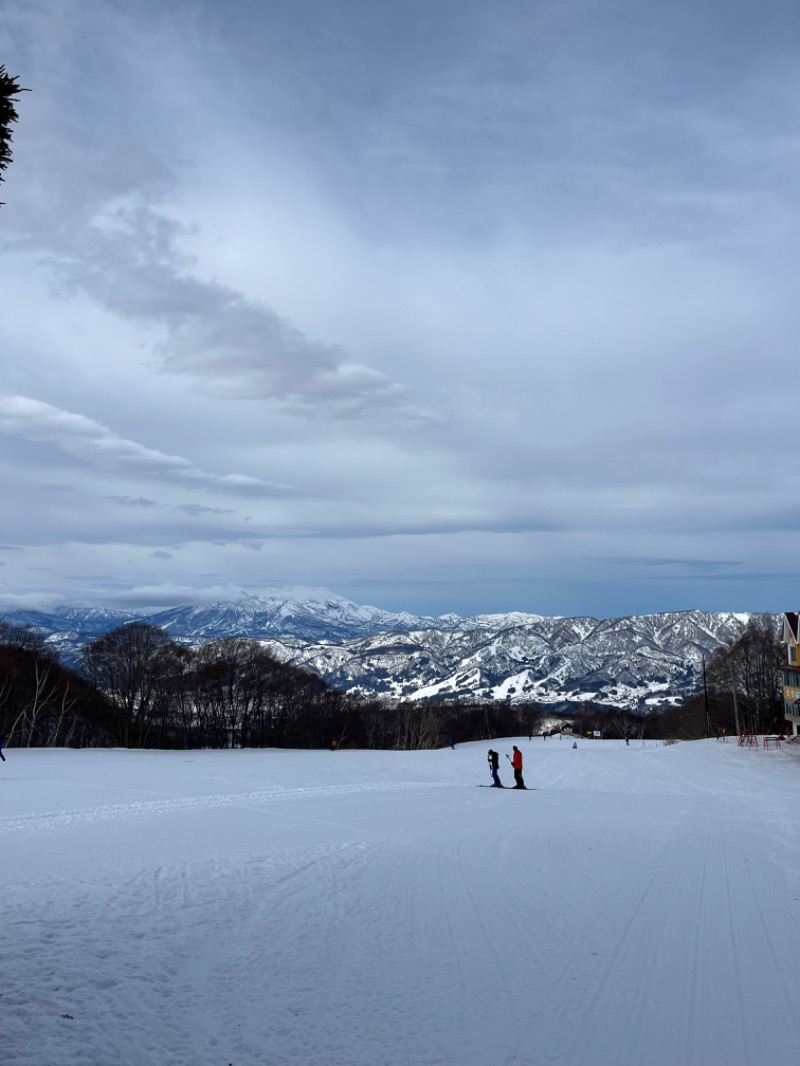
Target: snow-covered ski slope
x=294, y=908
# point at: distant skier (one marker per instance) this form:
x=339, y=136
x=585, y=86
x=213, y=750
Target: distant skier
x=452, y=744
x=516, y=762
x=2, y=756
x=494, y=766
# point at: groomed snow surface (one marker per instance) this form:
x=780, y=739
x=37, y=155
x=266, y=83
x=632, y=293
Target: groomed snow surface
x=361, y=908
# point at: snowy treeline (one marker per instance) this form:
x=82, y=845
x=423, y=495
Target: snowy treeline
x=138, y=688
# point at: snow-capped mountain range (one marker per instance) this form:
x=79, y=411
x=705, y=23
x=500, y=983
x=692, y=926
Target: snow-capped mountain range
x=642, y=661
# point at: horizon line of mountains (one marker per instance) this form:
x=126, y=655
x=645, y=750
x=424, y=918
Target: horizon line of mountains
x=640, y=662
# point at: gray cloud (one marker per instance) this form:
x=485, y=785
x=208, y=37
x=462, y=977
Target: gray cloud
x=197, y=509
x=97, y=445
x=164, y=594
x=125, y=254
x=706, y=566
x=133, y=501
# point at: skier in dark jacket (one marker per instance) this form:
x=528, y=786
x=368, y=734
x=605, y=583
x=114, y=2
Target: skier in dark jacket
x=494, y=766
x=2, y=756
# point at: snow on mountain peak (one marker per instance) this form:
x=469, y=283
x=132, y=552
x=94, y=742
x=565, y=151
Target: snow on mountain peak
x=515, y=656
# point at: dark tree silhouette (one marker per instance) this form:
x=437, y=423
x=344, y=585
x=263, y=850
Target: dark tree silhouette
x=748, y=668
x=129, y=665
x=9, y=88
x=42, y=702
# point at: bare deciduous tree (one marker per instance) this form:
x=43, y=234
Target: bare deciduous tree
x=39, y=698
x=127, y=665
x=748, y=668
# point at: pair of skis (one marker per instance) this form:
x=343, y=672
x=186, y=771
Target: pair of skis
x=510, y=788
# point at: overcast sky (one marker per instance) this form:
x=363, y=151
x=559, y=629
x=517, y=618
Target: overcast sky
x=444, y=305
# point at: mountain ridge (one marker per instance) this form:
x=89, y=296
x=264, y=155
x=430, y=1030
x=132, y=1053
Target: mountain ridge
x=643, y=662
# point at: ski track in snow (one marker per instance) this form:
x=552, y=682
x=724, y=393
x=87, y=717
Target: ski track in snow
x=641, y=908
x=153, y=808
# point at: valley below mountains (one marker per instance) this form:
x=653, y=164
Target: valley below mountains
x=641, y=662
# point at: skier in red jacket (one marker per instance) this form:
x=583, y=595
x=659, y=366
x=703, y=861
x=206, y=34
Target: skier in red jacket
x=516, y=762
